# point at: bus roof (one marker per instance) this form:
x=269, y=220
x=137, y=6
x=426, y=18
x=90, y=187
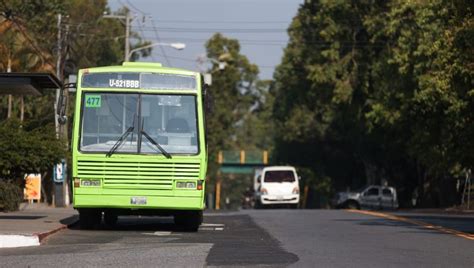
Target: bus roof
x=139, y=67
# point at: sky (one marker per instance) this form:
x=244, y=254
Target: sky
x=259, y=25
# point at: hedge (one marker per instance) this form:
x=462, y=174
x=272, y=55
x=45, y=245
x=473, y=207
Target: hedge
x=11, y=196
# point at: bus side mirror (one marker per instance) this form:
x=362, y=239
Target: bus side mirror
x=61, y=107
x=62, y=103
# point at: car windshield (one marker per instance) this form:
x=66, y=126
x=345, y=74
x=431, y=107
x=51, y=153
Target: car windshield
x=279, y=176
x=169, y=120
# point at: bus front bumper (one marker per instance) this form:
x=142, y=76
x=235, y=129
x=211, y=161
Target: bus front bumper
x=138, y=202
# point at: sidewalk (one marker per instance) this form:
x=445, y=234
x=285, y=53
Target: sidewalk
x=32, y=223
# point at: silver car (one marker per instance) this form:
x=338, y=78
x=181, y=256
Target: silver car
x=370, y=197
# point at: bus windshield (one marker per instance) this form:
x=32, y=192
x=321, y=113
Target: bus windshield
x=168, y=120
x=279, y=176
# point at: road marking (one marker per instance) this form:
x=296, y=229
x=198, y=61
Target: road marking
x=415, y=222
x=160, y=233
x=212, y=225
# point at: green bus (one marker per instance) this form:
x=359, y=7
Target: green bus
x=138, y=144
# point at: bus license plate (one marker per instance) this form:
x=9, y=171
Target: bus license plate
x=138, y=200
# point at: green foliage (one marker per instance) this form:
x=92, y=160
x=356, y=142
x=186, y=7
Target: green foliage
x=11, y=196
x=233, y=92
x=23, y=151
x=88, y=39
x=241, y=118
x=378, y=90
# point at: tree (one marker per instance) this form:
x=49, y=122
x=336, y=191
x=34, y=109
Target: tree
x=375, y=91
x=241, y=114
x=233, y=91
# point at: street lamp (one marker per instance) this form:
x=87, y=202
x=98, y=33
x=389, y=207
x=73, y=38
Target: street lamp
x=178, y=46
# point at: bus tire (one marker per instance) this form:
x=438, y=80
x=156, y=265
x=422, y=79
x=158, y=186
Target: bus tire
x=188, y=221
x=110, y=218
x=89, y=219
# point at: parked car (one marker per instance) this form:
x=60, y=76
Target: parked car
x=370, y=197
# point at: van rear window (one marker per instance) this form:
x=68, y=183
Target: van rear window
x=279, y=176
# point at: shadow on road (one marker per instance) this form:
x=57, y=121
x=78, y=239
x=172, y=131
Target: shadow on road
x=20, y=217
x=462, y=224
x=137, y=223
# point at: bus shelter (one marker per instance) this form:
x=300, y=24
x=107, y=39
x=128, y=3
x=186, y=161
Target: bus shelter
x=32, y=84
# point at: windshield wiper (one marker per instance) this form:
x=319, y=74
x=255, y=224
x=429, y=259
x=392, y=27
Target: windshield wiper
x=152, y=141
x=120, y=141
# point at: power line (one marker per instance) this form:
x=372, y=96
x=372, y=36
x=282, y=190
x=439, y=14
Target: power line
x=155, y=31
x=257, y=42
x=213, y=30
x=135, y=8
x=159, y=40
x=223, y=22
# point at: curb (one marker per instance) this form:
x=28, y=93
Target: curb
x=44, y=235
x=36, y=239
x=414, y=222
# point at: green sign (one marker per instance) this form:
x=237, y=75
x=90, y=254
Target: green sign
x=93, y=101
x=237, y=170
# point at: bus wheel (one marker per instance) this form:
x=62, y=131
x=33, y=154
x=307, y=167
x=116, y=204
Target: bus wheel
x=189, y=221
x=110, y=218
x=89, y=218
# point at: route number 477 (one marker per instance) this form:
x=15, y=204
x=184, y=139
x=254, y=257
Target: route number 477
x=93, y=101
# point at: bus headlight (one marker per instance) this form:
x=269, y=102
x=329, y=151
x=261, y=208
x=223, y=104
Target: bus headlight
x=191, y=185
x=186, y=184
x=90, y=183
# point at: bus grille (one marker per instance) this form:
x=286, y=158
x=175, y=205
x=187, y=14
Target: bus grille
x=137, y=175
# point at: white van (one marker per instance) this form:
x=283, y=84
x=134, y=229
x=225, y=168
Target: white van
x=276, y=185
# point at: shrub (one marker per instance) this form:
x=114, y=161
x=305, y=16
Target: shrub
x=11, y=196
x=27, y=151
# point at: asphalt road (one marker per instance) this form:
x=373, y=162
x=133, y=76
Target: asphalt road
x=268, y=238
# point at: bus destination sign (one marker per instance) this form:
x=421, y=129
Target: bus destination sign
x=124, y=83
x=139, y=81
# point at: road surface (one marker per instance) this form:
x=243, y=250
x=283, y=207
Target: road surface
x=263, y=238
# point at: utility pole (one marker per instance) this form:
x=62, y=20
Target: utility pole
x=127, y=36
x=58, y=74
x=60, y=190
x=10, y=97
x=128, y=19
